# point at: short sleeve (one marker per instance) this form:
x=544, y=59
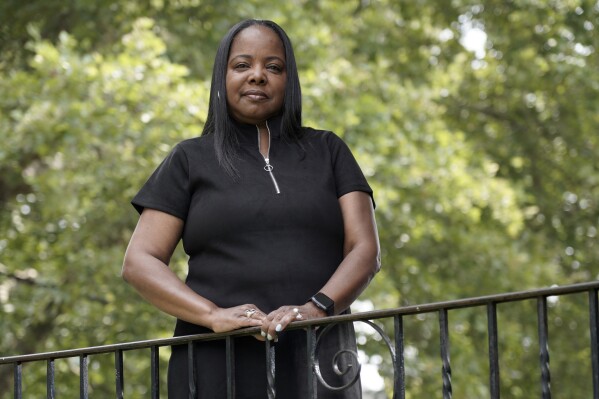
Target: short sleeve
x=167, y=189
x=348, y=175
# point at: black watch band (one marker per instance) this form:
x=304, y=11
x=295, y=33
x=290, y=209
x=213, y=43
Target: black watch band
x=325, y=303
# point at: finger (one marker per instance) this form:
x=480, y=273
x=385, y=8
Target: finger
x=280, y=321
x=250, y=323
x=283, y=322
x=251, y=312
x=269, y=327
x=248, y=315
x=259, y=337
x=297, y=313
x=259, y=315
x=271, y=316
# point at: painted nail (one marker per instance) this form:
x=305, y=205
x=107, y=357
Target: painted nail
x=278, y=328
x=268, y=337
x=263, y=333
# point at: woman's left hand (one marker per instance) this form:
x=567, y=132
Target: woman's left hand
x=277, y=320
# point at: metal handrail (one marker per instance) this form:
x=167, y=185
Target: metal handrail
x=361, y=316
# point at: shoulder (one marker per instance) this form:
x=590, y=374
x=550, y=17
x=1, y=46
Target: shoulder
x=325, y=136
x=186, y=152
x=194, y=144
x=193, y=147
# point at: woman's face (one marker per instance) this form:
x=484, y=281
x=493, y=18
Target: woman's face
x=256, y=75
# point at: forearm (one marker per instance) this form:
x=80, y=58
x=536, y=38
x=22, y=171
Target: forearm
x=361, y=251
x=146, y=268
x=160, y=286
x=352, y=276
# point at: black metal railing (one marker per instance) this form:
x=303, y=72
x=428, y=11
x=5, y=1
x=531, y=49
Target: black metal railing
x=395, y=346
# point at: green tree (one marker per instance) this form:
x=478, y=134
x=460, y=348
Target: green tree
x=484, y=164
x=84, y=129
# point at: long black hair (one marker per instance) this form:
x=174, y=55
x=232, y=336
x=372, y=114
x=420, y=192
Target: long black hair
x=220, y=124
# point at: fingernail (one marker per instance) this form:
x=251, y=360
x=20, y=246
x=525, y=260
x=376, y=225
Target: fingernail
x=268, y=337
x=263, y=333
x=278, y=328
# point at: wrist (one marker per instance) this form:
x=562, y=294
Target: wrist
x=208, y=317
x=313, y=309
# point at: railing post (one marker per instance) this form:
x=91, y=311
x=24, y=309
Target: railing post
x=270, y=370
x=230, y=354
x=311, y=358
x=544, y=347
x=83, y=377
x=155, y=372
x=50, y=391
x=446, y=370
x=191, y=370
x=18, y=375
x=493, y=350
x=119, y=377
x=399, y=380
x=594, y=325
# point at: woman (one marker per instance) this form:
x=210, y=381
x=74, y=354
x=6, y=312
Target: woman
x=277, y=220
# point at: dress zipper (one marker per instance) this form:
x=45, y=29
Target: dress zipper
x=268, y=167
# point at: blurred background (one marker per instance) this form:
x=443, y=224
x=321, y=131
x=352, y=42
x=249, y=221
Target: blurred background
x=476, y=123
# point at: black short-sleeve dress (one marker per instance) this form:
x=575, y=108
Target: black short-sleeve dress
x=267, y=238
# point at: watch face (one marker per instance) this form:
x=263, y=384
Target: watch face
x=325, y=303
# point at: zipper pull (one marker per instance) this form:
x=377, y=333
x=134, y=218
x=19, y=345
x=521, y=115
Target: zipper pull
x=268, y=167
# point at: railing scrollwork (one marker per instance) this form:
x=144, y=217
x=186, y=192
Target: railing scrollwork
x=337, y=368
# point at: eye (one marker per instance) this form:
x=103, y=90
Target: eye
x=241, y=65
x=275, y=68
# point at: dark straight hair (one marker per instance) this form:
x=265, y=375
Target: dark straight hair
x=221, y=125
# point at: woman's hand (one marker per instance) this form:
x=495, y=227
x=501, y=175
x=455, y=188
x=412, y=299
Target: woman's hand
x=228, y=319
x=277, y=320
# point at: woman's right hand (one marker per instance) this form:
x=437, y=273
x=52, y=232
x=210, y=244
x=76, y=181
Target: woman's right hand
x=228, y=319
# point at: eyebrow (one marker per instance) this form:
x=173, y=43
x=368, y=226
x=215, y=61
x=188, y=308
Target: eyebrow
x=247, y=56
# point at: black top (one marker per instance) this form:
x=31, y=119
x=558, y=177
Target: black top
x=246, y=242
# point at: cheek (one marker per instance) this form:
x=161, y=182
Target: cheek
x=231, y=83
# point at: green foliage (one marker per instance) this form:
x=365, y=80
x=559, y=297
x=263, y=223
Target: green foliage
x=83, y=132
x=484, y=166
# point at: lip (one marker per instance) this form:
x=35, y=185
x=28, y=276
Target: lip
x=255, y=94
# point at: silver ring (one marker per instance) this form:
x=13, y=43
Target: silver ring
x=298, y=315
x=249, y=313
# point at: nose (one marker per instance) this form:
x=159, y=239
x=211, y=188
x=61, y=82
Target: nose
x=258, y=75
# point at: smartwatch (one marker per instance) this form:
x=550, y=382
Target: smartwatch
x=324, y=302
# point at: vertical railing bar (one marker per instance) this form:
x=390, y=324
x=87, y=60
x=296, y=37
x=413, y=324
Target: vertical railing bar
x=544, y=347
x=270, y=370
x=493, y=350
x=311, y=358
x=399, y=379
x=191, y=370
x=50, y=389
x=446, y=369
x=230, y=367
x=83, y=377
x=18, y=380
x=119, y=377
x=155, y=372
x=594, y=326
